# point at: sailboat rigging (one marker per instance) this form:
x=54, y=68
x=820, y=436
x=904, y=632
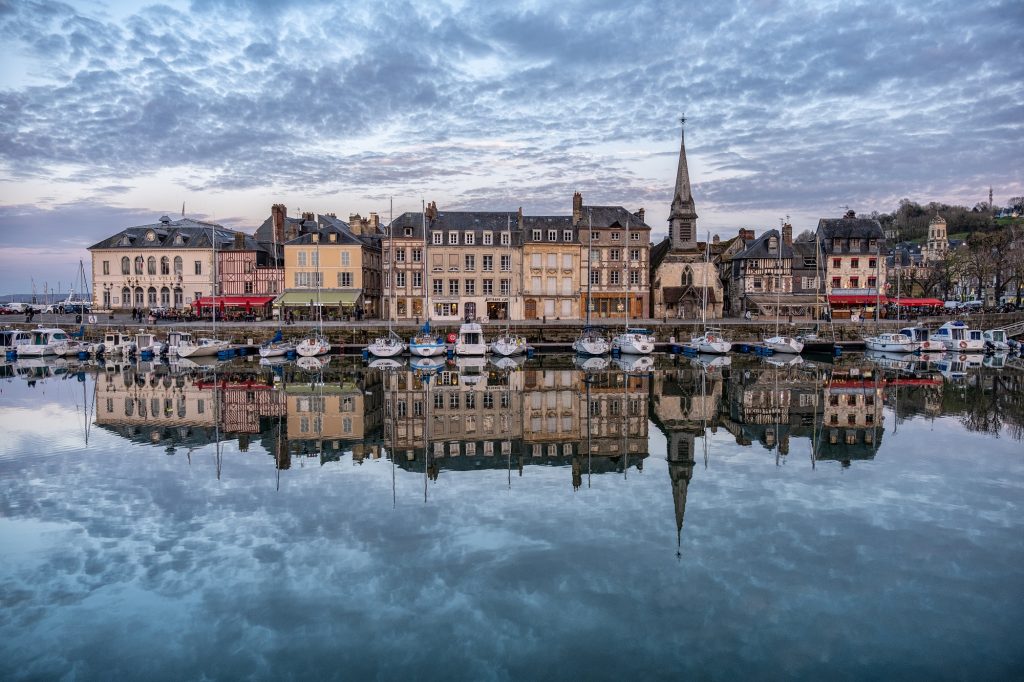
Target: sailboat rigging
x=632, y=341
x=425, y=344
x=711, y=340
x=390, y=345
x=318, y=344
x=508, y=343
x=591, y=341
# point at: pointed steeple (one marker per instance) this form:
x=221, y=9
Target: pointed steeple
x=682, y=217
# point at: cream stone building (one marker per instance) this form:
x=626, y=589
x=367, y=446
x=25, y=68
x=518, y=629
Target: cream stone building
x=166, y=264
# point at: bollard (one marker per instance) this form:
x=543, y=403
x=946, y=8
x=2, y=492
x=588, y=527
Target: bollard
x=366, y=355
x=837, y=351
x=12, y=355
x=529, y=352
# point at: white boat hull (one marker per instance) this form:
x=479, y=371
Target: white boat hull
x=427, y=350
x=508, y=348
x=276, y=350
x=635, y=363
x=717, y=347
x=633, y=344
x=386, y=348
x=309, y=348
x=598, y=346
x=784, y=344
x=963, y=346
x=472, y=349
x=202, y=349
x=891, y=347
x=40, y=350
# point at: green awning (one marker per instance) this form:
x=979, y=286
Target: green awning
x=327, y=297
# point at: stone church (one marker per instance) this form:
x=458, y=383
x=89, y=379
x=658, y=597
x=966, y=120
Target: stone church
x=681, y=275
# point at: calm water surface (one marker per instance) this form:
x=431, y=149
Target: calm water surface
x=849, y=520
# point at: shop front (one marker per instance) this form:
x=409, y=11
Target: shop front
x=859, y=306
x=613, y=306
x=234, y=307
x=332, y=304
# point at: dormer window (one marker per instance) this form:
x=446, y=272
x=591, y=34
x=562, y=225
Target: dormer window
x=125, y=241
x=773, y=244
x=437, y=237
x=470, y=238
x=566, y=235
x=179, y=240
x=453, y=238
x=408, y=232
x=536, y=235
x=488, y=239
x=552, y=235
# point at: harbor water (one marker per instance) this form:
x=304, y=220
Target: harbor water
x=749, y=518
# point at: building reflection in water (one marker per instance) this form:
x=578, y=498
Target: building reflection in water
x=473, y=416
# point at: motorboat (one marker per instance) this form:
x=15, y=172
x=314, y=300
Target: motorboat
x=45, y=341
x=996, y=339
x=635, y=363
x=956, y=336
x=313, y=346
x=387, y=346
x=202, y=347
x=174, y=340
x=995, y=360
x=470, y=340
x=591, y=342
x=509, y=344
x=76, y=347
x=148, y=343
x=11, y=339
x=591, y=363
x=711, y=342
x=813, y=341
x=634, y=341
x=892, y=343
x=426, y=345
x=472, y=370
x=921, y=336
x=117, y=343
x=784, y=344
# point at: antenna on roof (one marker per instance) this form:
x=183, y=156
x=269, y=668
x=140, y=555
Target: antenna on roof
x=183, y=209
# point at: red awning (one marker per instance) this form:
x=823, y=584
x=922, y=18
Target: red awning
x=233, y=301
x=916, y=301
x=859, y=299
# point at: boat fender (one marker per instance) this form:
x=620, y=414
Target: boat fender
x=452, y=338
x=963, y=344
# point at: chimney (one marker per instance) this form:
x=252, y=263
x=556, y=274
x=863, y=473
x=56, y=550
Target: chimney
x=374, y=221
x=519, y=218
x=355, y=223
x=308, y=215
x=239, y=241
x=577, y=208
x=278, y=212
x=431, y=212
x=640, y=213
x=850, y=214
x=787, y=234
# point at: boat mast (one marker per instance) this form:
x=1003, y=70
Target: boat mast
x=426, y=258
x=391, y=257
x=590, y=260
x=213, y=287
x=704, y=279
x=508, y=310
x=878, y=284
x=625, y=272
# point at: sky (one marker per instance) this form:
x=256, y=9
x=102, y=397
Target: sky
x=115, y=113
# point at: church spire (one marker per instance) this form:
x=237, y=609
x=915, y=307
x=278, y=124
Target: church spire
x=682, y=217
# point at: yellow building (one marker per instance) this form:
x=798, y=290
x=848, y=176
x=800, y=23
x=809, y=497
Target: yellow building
x=334, y=269
x=551, y=267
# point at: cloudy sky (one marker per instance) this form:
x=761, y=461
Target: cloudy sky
x=114, y=113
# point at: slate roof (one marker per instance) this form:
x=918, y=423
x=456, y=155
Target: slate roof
x=462, y=221
x=548, y=222
x=850, y=228
x=173, y=234
x=659, y=251
x=759, y=248
x=344, y=237
x=611, y=216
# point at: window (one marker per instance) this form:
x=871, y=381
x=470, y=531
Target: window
x=301, y=259
x=199, y=267
x=552, y=235
x=177, y=265
x=567, y=286
x=470, y=238
x=855, y=245
x=634, y=254
x=106, y=299
x=417, y=280
x=536, y=235
x=314, y=258
x=837, y=262
x=836, y=284
x=506, y=287
x=436, y=238
x=248, y=290
x=488, y=238
x=506, y=239
x=634, y=277
x=488, y=265
x=126, y=267
x=855, y=282
x=453, y=287
x=453, y=238
x=139, y=264
x=453, y=262
x=470, y=261
x=417, y=255
x=595, y=255
x=438, y=287
x=854, y=262
x=471, y=287
x=552, y=260
x=346, y=257
x=506, y=263
x=106, y=267
x=615, y=236
x=872, y=263
x=535, y=285
x=634, y=236
x=536, y=260
x=613, y=277
x=488, y=287
x=566, y=235
x=151, y=296
x=595, y=276
x=613, y=254
x=567, y=261
x=872, y=282
x=446, y=309
x=165, y=266
x=758, y=283
x=400, y=279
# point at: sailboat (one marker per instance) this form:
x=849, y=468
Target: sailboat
x=780, y=343
x=591, y=341
x=315, y=345
x=391, y=345
x=424, y=344
x=712, y=340
x=509, y=344
x=276, y=347
x=632, y=341
x=212, y=345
